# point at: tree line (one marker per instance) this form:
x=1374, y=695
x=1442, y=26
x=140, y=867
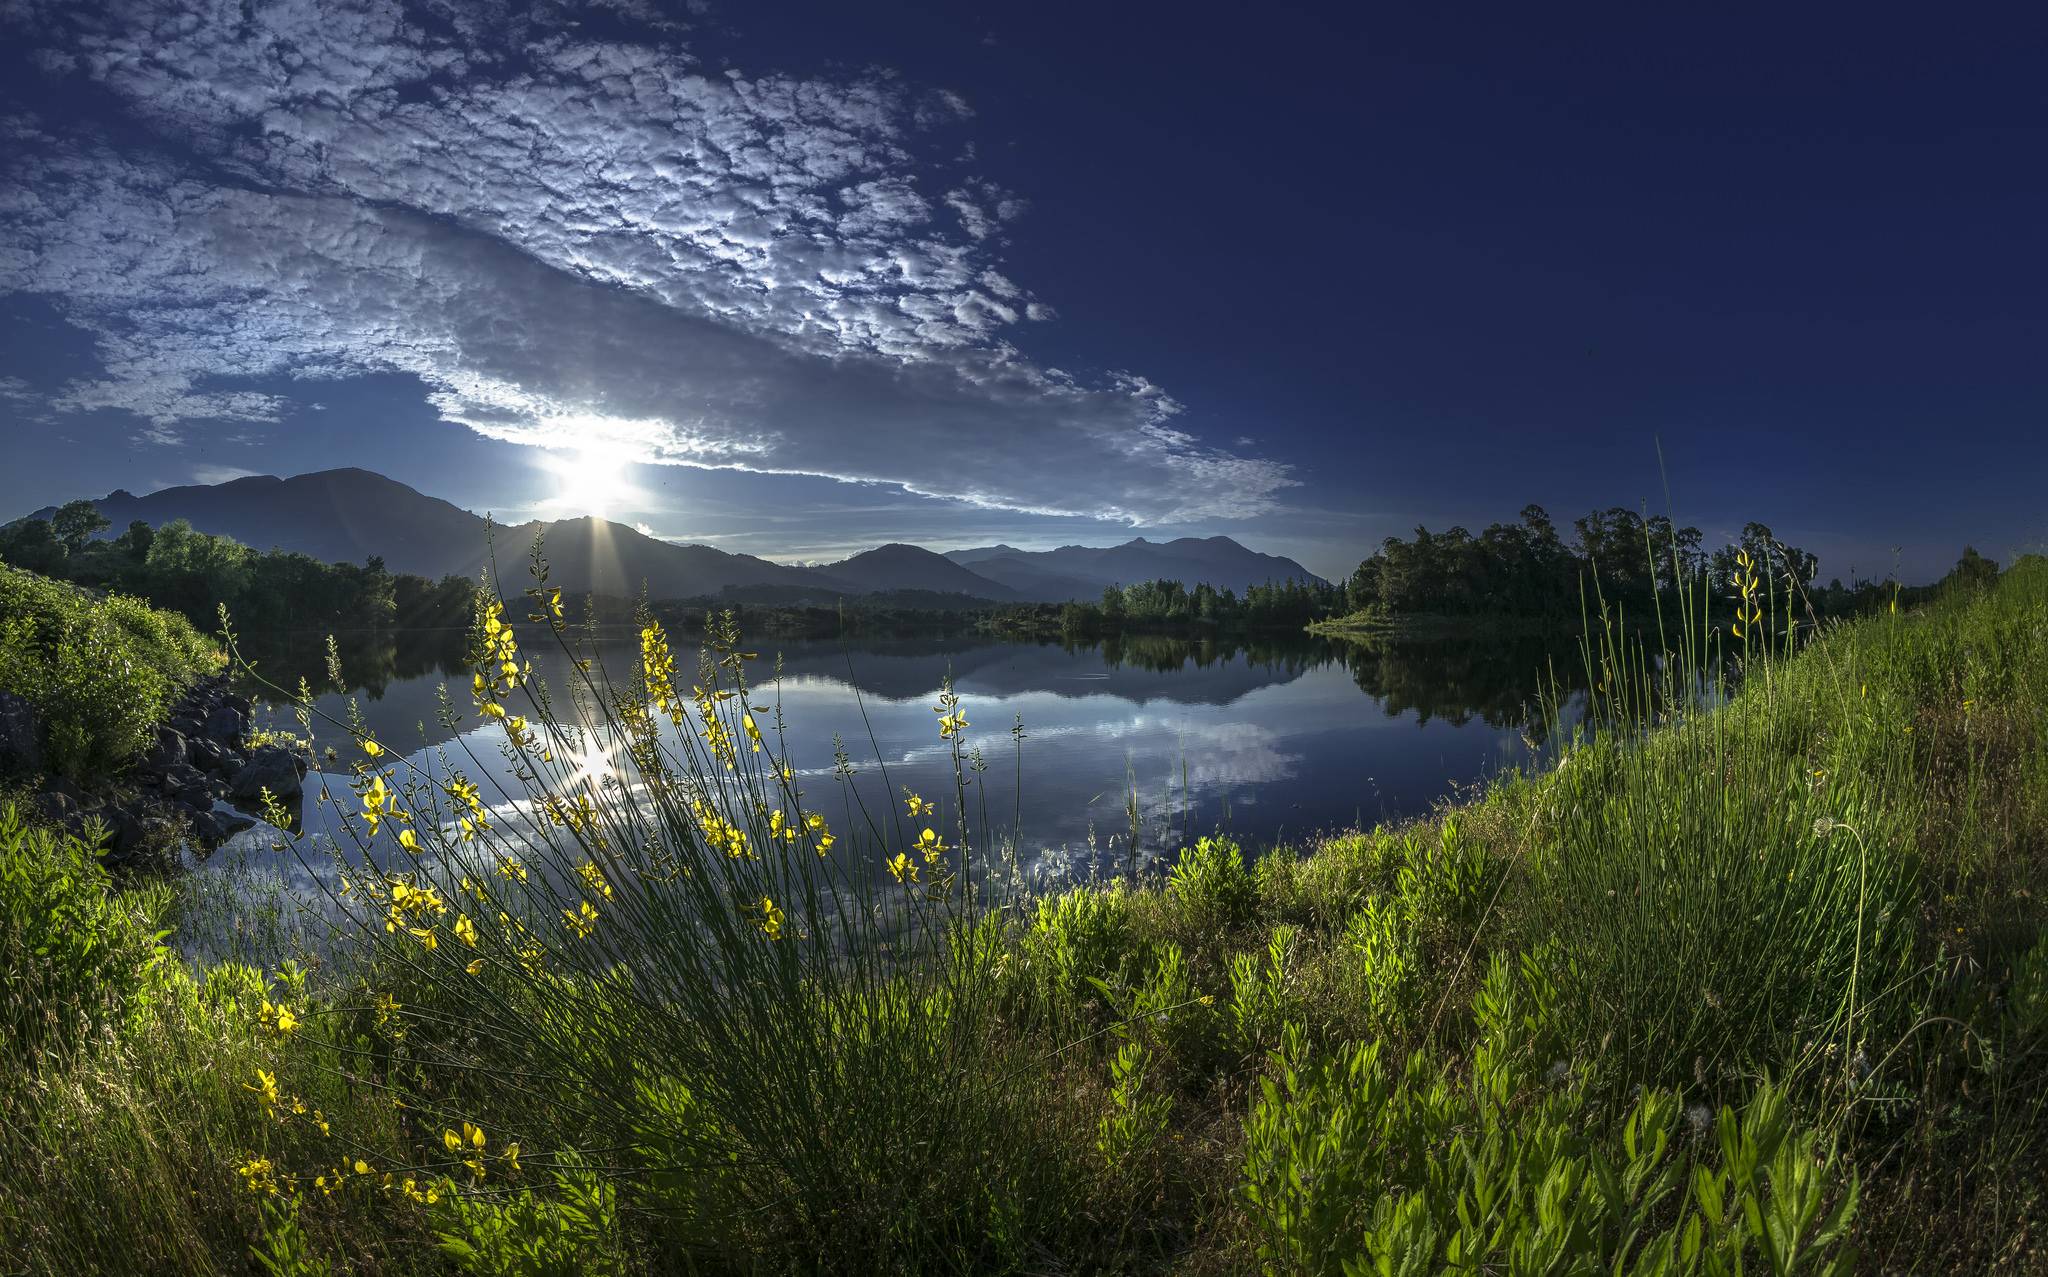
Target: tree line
x=1527, y=568
x=194, y=572
x=1171, y=606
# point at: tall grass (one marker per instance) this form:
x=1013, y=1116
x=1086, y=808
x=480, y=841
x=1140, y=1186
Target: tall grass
x=688, y=970
x=1755, y=977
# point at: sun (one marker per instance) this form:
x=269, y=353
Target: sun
x=593, y=481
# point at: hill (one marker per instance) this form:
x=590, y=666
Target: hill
x=909, y=567
x=1082, y=571
x=350, y=515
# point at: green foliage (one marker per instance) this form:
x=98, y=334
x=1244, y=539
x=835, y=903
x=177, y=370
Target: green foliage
x=1137, y=1118
x=1211, y=888
x=196, y=573
x=572, y=1232
x=99, y=672
x=286, y=1251
x=1264, y=995
x=1076, y=938
x=72, y=957
x=1352, y=1168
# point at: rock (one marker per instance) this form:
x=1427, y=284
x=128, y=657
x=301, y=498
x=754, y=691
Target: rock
x=124, y=828
x=168, y=752
x=232, y=823
x=210, y=755
x=19, y=749
x=58, y=809
x=271, y=767
x=206, y=829
x=226, y=724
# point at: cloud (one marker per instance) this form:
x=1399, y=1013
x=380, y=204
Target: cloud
x=568, y=241
x=219, y=474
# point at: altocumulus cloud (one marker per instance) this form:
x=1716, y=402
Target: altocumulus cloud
x=567, y=240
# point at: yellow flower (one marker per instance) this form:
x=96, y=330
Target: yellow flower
x=593, y=877
x=266, y=1086
x=473, y=1135
x=409, y=841
x=465, y=930
x=362, y=1167
x=372, y=748
x=903, y=867
x=917, y=806
x=771, y=918
x=582, y=921
x=286, y=1021
x=931, y=845
x=511, y=1156
x=452, y=1140
x=476, y=965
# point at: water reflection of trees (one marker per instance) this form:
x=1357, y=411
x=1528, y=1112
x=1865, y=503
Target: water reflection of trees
x=1285, y=657
x=371, y=661
x=1500, y=682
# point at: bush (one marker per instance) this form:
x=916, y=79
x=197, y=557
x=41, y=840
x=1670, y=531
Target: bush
x=1353, y=1167
x=70, y=955
x=100, y=673
x=1211, y=888
x=1076, y=938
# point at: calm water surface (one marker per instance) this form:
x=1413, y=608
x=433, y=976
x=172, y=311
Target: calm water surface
x=1271, y=742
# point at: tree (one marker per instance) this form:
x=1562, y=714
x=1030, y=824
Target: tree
x=75, y=523
x=136, y=540
x=1973, y=570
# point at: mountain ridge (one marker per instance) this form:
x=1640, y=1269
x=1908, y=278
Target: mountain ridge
x=349, y=514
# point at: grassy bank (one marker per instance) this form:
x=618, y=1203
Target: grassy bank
x=1760, y=987
x=98, y=671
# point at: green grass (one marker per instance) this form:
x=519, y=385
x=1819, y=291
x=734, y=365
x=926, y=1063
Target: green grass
x=1755, y=979
x=100, y=672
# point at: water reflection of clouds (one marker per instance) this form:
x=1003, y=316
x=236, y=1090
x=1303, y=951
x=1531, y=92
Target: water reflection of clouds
x=1264, y=749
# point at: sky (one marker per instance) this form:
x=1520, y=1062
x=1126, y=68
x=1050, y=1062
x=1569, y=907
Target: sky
x=800, y=279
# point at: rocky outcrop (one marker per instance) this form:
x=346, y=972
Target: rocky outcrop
x=271, y=767
x=199, y=757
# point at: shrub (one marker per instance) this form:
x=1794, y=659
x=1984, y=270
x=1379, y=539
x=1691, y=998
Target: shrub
x=1076, y=938
x=1350, y=1167
x=70, y=955
x=1211, y=888
x=524, y=1234
x=100, y=673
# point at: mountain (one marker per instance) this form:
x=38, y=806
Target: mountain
x=337, y=516
x=1081, y=571
x=909, y=567
x=349, y=515
x=602, y=557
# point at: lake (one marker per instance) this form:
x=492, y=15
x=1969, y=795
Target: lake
x=1270, y=741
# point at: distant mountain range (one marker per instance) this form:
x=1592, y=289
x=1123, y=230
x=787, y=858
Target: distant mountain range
x=349, y=515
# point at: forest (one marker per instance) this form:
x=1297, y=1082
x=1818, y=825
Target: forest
x=196, y=573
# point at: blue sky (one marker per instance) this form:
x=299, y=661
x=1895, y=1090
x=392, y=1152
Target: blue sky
x=801, y=279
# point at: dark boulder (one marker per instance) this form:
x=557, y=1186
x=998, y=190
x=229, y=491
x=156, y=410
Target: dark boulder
x=232, y=822
x=168, y=752
x=211, y=755
x=124, y=828
x=19, y=750
x=58, y=809
x=226, y=724
x=271, y=767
